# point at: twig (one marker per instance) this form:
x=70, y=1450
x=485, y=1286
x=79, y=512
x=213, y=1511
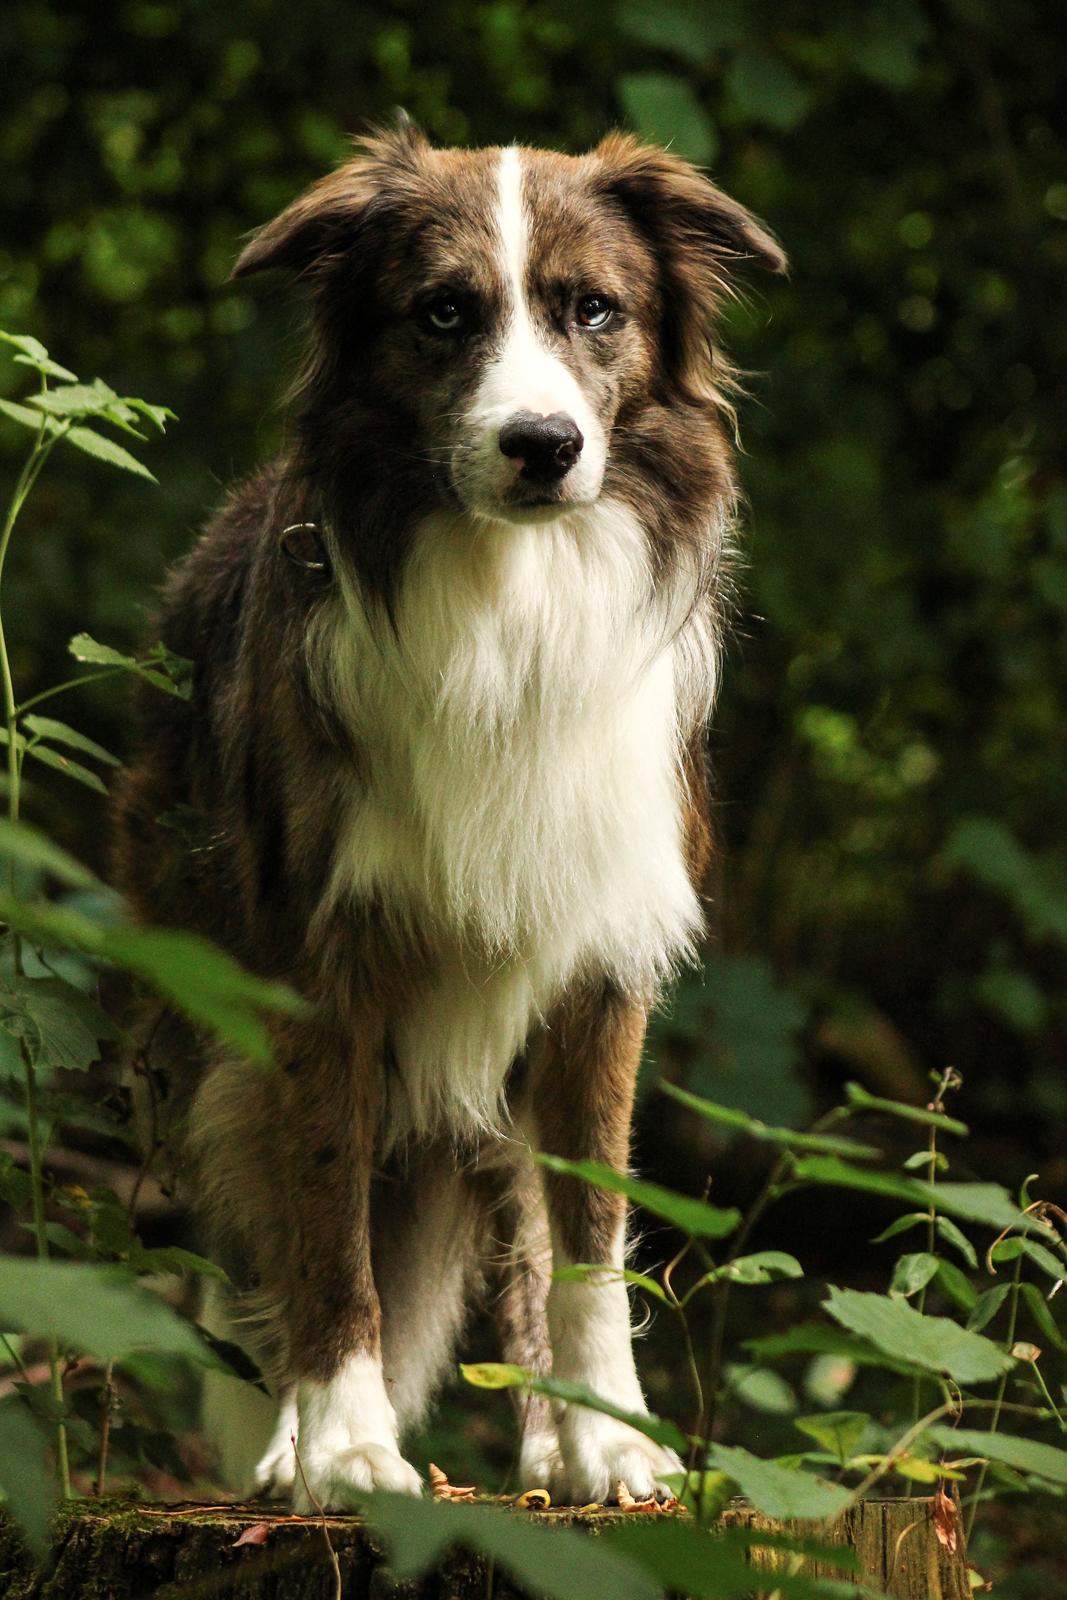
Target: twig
x=322, y=1514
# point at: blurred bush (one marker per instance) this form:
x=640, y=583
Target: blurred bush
x=889, y=743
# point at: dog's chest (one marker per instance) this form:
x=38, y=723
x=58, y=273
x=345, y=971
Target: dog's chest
x=522, y=811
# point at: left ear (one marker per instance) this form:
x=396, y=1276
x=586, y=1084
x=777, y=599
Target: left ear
x=700, y=237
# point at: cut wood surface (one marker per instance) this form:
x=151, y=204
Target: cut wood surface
x=121, y=1550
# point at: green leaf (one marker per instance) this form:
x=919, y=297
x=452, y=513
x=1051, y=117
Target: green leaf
x=694, y=1217
x=987, y=1305
x=860, y=1100
x=21, y=842
x=59, y=1024
x=934, y=1343
x=989, y=851
x=816, y=1339
x=172, y=1258
x=665, y=110
x=103, y=449
x=1008, y=1249
x=901, y=1225
x=761, y=1389
x=777, y=1491
x=84, y=648
x=59, y=762
x=959, y=1288
x=26, y=1476
x=1025, y=1455
x=761, y=1267
x=766, y=89
x=50, y=368
x=505, y=1375
x=953, y=1236
x=681, y=1557
x=687, y=28
x=27, y=344
x=837, y=1431
x=78, y=399
x=561, y=1566
x=1042, y=1315
x=583, y=1271
x=201, y=980
x=92, y=1309
x=60, y=733
x=741, y=1122
x=913, y=1273
x=987, y=1203
x=171, y=676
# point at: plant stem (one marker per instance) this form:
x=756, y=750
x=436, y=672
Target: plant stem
x=42, y=448
x=998, y=1402
x=70, y=683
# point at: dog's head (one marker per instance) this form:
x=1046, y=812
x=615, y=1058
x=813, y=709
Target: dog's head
x=513, y=332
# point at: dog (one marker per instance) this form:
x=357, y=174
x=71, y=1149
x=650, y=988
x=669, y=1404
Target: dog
x=454, y=658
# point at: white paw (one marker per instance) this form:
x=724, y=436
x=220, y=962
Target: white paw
x=600, y=1453
x=336, y=1479
x=540, y=1461
x=276, y=1470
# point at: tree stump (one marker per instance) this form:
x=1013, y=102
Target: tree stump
x=121, y=1550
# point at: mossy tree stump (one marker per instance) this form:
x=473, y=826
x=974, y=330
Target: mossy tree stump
x=115, y=1550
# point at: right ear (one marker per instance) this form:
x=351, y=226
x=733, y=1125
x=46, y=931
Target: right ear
x=328, y=217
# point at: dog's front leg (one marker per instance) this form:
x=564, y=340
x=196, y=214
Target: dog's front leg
x=285, y=1161
x=583, y=1098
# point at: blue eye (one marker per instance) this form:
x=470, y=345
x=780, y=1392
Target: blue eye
x=594, y=310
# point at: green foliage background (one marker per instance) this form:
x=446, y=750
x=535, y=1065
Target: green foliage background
x=890, y=743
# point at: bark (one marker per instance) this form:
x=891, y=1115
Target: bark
x=115, y=1550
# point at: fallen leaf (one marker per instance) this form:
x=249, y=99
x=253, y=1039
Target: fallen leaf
x=533, y=1500
x=258, y=1533
x=441, y=1489
x=946, y=1520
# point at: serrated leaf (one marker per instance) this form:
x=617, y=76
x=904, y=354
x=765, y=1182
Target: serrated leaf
x=741, y=1122
x=837, y=1431
x=60, y=733
x=566, y=1566
x=26, y=417
x=58, y=1023
x=934, y=1343
x=913, y=1273
x=31, y=347
x=45, y=365
x=1025, y=1455
x=69, y=768
x=84, y=648
x=694, y=1217
x=817, y=1339
x=505, y=1375
x=860, y=1100
x=26, y=1476
x=92, y=1309
x=777, y=1491
x=21, y=842
x=103, y=449
x=76, y=399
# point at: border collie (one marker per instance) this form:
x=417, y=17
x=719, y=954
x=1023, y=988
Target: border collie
x=455, y=653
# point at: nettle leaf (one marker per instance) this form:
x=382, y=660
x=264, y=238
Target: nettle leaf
x=161, y=668
x=94, y=1309
x=60, y=733
x=565, y=1566
x=694, y=1217
x=505, y=1375
x=913, y=1273
x=32, y=848
x=777, y=1491
x=103, y=449
x=860, y=1100
x=837, y=1431
x=817, y=1339
x=26, y=1476
x=934, y=1343
x=59, y=1024
x=741, y=1122
x=1025, y=1455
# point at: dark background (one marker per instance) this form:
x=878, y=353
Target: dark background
x=890, y=742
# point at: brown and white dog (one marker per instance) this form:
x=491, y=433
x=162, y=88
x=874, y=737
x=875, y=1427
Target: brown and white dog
x=448, y=778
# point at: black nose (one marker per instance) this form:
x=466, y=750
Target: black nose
x=547, y=446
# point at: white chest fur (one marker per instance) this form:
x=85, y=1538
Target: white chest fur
x=522, y=804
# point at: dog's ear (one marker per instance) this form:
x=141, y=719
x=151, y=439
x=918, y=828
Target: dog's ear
x=328, y=217
x=700, y=237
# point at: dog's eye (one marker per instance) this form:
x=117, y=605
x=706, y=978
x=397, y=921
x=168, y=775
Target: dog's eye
x=443, y=314
x=594, y=310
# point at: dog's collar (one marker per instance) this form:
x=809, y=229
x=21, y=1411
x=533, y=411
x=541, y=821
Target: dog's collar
x=305, y=545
